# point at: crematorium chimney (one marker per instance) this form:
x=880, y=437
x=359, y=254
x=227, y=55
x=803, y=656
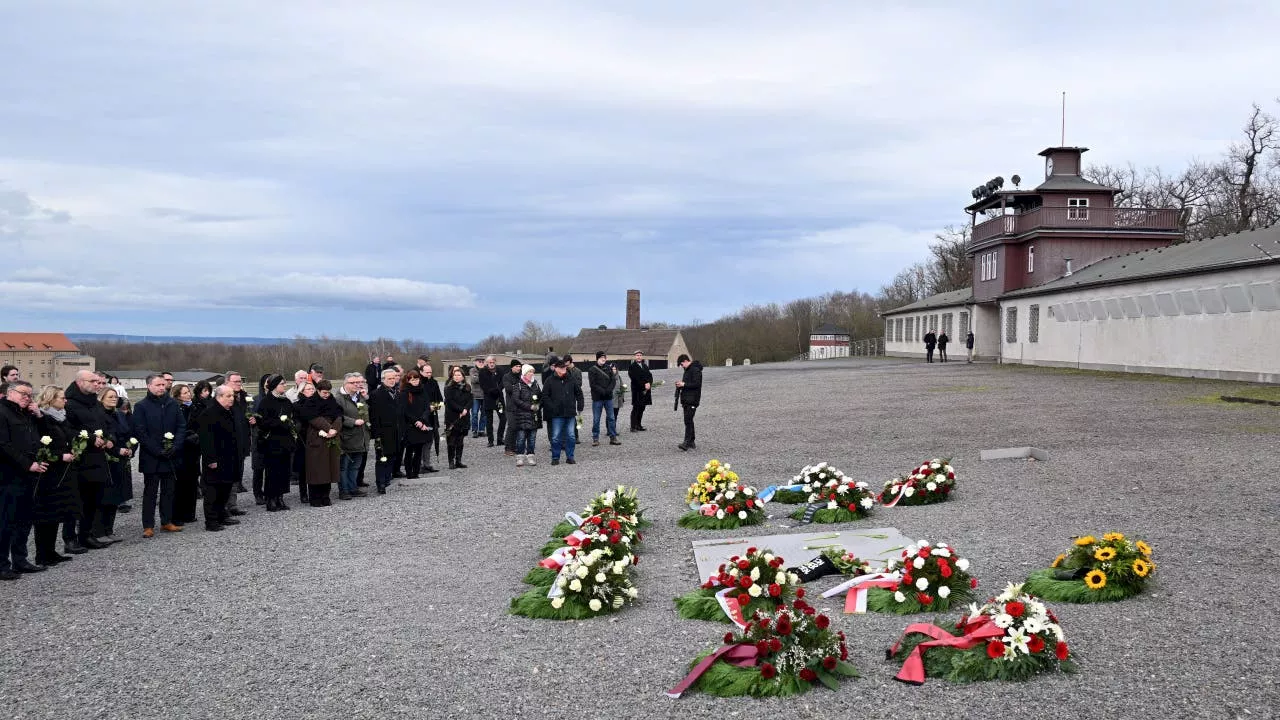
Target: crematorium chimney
x=633, y=309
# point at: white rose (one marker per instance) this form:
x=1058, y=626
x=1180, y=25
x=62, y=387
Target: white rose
x=600, y=577
x=922, y=583
x=742, y=514
x=897, y=595
x=768, y=557
x=719, y=514
x=632, y=592
x=595, y=605
x=730, y=495
x=168, y=436
x=931, y=486
x=909, y=491
x=359, y=404
x=382, y=459
x=918, y=562
x=781, y=578
x=45, y=440
x=867, y=502
x=793, y=578
x=962, y=564
x=582, y=571
x=557, y=602
x=84, y=433
x=576, y=585
x=97, y=433
x=942, y=551
x=948, y=469
x=754, y=591
x=944, y=591
x=284, y=418
x=748, y=491
x=755, y=573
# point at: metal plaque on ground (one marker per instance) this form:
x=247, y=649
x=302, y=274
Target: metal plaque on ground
x=875, y=544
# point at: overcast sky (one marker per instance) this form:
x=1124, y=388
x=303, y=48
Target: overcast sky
x=445, y=171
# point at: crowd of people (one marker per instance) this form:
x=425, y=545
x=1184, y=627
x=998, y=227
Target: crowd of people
x=67, y=454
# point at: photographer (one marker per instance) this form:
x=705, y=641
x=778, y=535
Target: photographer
x=689, y=392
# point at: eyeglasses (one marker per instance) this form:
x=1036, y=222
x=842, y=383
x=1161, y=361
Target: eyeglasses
x=23, y=393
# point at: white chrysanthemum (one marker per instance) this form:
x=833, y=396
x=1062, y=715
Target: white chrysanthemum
x=931, y=486
x=632, y=592
x=842, y=489
x=922, y=583
x=934, y=464
x=962, y=564
x=1003, y=620
x=793, y=578
x=944, y=591
x=867, y=502
x=781, y=578
x=918, y=562
x=948, y=469
x=861, y=484
x=909, y=491
x=730, y=495
x=922, y=543
x=742, y=514
x=575, y=585
x=595, y=605
x=719, y=514
x=557, y=602
x=897, y=595
x=754, y=591
x=942, y=551
x=600, y=577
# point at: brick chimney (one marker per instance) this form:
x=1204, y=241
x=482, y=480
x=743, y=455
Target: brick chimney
x=633, y=309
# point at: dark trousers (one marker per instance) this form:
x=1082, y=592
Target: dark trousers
x=46, y=541
x=275, y=474
x=105, y=524
x=454, y=442
x=215, y=502
x=154, y=484
x=20, y=525
x=929, y=353
x=689, y=411
x=90, y=499
x=397, y=468
x=299, y=470
x=413, y=459
x=491, y=407
x=364, y=460
x=637, y=416
x=239, y=473
x=509, y=439
x=184, y=496
x=942, y=353
x=319, y=494
x=259, y=471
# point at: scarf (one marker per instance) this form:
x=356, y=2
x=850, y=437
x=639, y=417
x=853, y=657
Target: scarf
x=55, y=413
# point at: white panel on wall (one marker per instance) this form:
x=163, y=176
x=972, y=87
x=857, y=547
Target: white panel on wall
x=1187, y=302
x=1057, y=313
x=1168, y=306
x=1113, y=308
x=1236, y=298
x=1211, y=300
x=1069, y=309
x=1082, y=309
x=1266, y=296
x=1129, y=304
x=1098, y=310
x=1148, y=305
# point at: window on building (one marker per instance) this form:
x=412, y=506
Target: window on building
x=987, y=266
x=1011, y=325
x=1031, y=258
x=897, y=331
x=1077, y=208
x=946, y=323
x=964, y=324
x=1033, y=324
x=910, y=327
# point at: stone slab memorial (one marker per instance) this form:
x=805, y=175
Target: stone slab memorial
x=874, y=544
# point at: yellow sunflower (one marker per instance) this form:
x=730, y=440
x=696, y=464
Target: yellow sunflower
x=1113, y=537
x=1104, y=554
x=1086, y=540
x=1141, y=567
x=1143, y=548
x=1058, y=560
x=703, y=476
x=1095, y=580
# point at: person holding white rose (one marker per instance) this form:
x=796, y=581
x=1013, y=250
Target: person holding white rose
x=161, y=430
x=355, y=435
x=276, y=441
x=57, y=503
x=321, y=418
x=88, y=420
x=20, y=472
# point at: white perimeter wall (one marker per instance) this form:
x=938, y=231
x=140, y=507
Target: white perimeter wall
x=1217, y=325
x=982, y=320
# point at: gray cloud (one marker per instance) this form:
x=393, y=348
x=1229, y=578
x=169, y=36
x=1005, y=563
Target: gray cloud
x=195, y=217
x=18, y=213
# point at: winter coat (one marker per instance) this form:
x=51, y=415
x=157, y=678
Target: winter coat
x=600, y=378
x=319, y=414
x=491, y=383
x=521, y=411
x=191, y=414
x=930, y=340
x=561, y=398
x=57, y=494
x=384, y=417
x=415, y=407
x=473, y=383
x=19, y=440
x=943, y=340
x=640, y=374
x=120, y=489
x=355, y=438
x=457, y=398
x=152, y=418
x=691, y=391
x=240, y=415
x=276, y=436
x=509, y=381
x=373, y=374
x=219, y=444
x=86, y=414
x=968, y=341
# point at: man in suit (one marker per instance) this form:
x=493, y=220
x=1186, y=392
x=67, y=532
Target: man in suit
x=641, y=390
x=161, y=430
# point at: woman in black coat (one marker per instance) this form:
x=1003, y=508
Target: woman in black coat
x=418, y=419
x=219, y=458
x=457, y=407
x=277, y=439
x=57, y=497
x=119, y=491
x=186, y=487
x=525, y=396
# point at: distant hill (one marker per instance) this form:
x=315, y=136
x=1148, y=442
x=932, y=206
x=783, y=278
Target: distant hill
x=103, y=337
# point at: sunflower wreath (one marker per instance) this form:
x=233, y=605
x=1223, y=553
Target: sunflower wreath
x=1096, y=570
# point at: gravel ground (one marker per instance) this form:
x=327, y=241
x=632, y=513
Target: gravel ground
x=396, y=606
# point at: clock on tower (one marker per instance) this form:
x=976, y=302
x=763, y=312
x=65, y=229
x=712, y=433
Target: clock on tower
x=1048, y=168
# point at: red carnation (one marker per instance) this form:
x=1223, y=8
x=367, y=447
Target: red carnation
x=708, y=585
x=585, y=542
x=784, y=626
x=973, y=582
x=775, y=563
x=995, y=649
x=768, y=672
x=829, y=663
x=744, y=599
x=720, y=569
x=751, y=551
x=762, y=647
x=945, y=570
x=775, y=644
x=639, y=537
x=750, y=503
x=924, y=599
x=924, y=552
x=853, y=508
x=743, y=564
x=808, y=675
x=1035, y=644
x=775, y=590
x=799, y=593
x=1061, y=650
x=745, y=581
x=763, y=622
x=733, y=559
x=615, y=538
x=951, y=475
x=822, y=621
x=728, y=637
x=906, y=578
x=731, y=509
x=904, y=553
x=1015, y=608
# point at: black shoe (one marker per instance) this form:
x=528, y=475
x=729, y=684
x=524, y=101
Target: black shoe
x=382, y=490
x=51, y=560
x=359, y=493
x=461, y=466
x=362, y=484
x=428, y=470
x=26, y=566
x=397, y=475
x=569, y=461
x=271, y=505
x=259, y=499
x=229, y=521
x=595, y=442
x=236, y=511
x=344, y=496
x=124, y=508
x=325, y=502
x=642, y=429
x=240, y=487
x=614, y=441
x=95, y=544
x=9, y=575
x=411, y=477
x=555, y=461
x=280, y=504
x=74, y=547
x=213, y=528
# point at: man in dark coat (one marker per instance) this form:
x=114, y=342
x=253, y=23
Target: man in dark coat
x=690, y=396
x=510, y=381
x=220, y=457
x=930, y=339
x=89, y=419
x=491, y=385
x=161, y=430
x=19, y=473
x=641, y=390
x=386, y=426
x=942, y=346
x=601, y=378
x=561, y=401
x=373, y=372
x=244, y=426
x=968, y=346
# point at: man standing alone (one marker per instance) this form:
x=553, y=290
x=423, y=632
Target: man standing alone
x=690, y=396
x=641, y=390
x=602, y=378
x=160, y=428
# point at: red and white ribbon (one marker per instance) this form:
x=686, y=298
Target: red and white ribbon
x=896, y=498
x=856, y=600
x=728, y=600
x=740, y=654
x=976, y=632
x=557, y=559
